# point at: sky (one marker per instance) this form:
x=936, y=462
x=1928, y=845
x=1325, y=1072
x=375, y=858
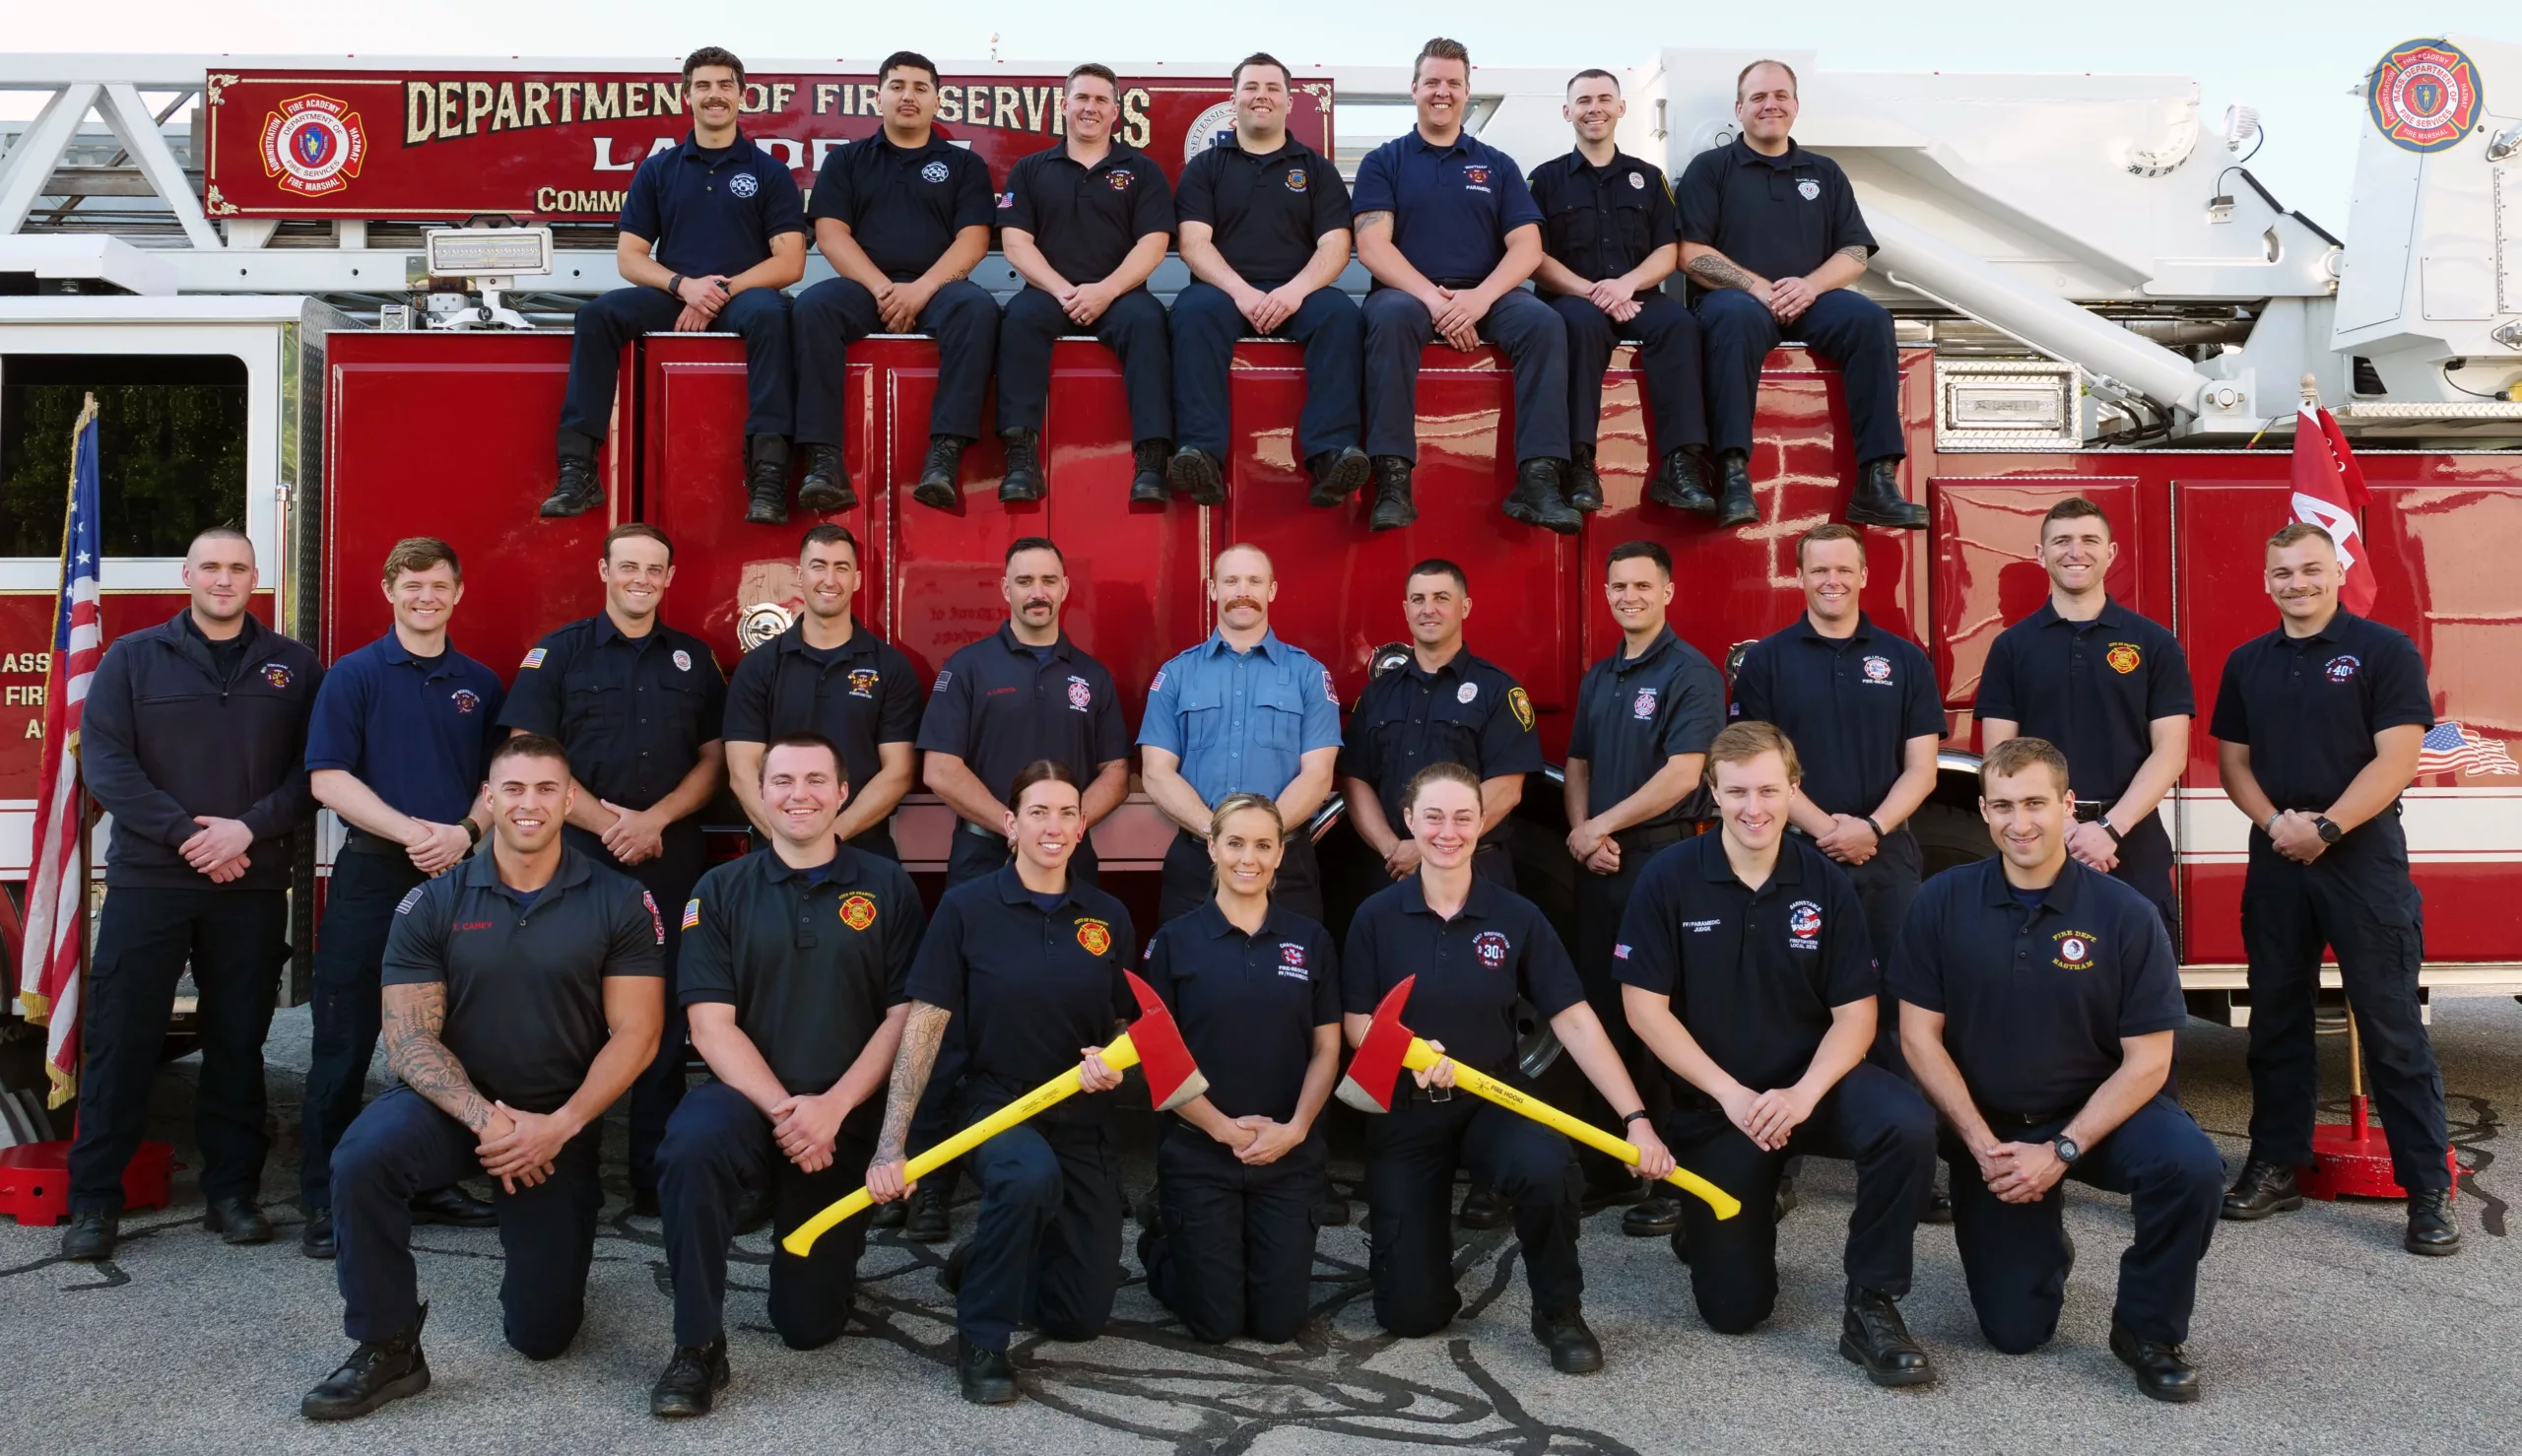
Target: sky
x=2295, y=62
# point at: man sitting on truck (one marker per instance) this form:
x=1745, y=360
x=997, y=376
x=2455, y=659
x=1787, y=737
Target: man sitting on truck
x=712, y=229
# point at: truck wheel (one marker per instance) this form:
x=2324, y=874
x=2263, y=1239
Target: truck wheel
x=1949, y=835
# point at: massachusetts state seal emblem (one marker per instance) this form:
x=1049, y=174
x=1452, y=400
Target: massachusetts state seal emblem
x=313, y=145
x=2424, y=95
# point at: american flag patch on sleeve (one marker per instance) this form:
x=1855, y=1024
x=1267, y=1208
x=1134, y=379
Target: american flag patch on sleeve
x=1619, y=952
x=409, y=900
x=692, y=913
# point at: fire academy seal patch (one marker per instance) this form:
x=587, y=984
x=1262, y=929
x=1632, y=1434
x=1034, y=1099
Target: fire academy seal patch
x=1095, y=936
x=2424, y=95
x=858, y=910
x=2124, y=658
x=313, y=145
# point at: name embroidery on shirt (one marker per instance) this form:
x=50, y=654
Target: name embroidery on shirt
x=1700, y=927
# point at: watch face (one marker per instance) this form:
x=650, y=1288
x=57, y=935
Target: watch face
x=2331, y=833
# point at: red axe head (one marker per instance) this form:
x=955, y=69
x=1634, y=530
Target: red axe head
x=1378, y=1064
x=1172, y=1077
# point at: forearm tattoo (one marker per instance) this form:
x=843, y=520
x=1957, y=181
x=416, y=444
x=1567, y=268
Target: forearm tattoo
x=1719, y=271
x=921, y=1037
x=1858, y=251
x=415, y=1019
x=1363, y=221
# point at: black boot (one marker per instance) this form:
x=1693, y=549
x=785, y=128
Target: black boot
x=985, y=1376
x=939, y=474
x=694, y=1376
x=236, y=1220
x=1736, y=506
x=1392, y=496
x=1873, y=1335
x=1535, y=500
x=1573, y=1350
x=890, y=1215
x=1584, y=487
x=92, y=1234
x=765, y=480
x=378, y=1371
x=1482, y=1209
x=1681, y=482
x=929, y=1220
x=1337, y=475
x=826, y=488
x=2430, y=1229
x=1652, y=1217
x=1196, y=476
x=315, y=1239
x=1148, y=458
x=452, y=1206
x=578, y=492
x=2163, y=1372
x=1877, y=499
x=1331, y=1210
x=2263, y=1189
x=1024, y=478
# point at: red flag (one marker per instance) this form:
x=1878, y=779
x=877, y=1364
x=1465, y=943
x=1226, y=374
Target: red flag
x=2330, y=493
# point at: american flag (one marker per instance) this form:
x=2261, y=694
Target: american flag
x=57, y=896
x=2450, y=747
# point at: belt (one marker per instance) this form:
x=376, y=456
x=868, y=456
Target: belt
x=1657, y=836
x=2009, y=1117
x=979, y=832
x=361, y=841
x=2088, y=811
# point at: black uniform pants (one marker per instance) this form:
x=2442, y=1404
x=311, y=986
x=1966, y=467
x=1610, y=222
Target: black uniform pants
x=2145, y=865
x=1232, y=1252
x=1046, y=1247
x=1190, y=878
x=235, y=941
x=1885, y=886
x=1601, y=901
x=1668, y=358
x=659, y=1086
x=1872, y=1118
x=350, y=958
x=403, y=1144
x=1206, y=323
x=2357, y=901
x=717, y=1148
x=1412, y=1153
x=839, y=311
x=1842, y=325
x=1132, y=328
x=1536, y=342
x=609, y=320
x=2015, y=1256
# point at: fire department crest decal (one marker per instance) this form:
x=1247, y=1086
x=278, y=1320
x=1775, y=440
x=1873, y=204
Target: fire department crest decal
x=1490, y=947
x=1291, y=955
x=1638, y=182
x=1808, y=190
x=1095, y=936
x=862, y=681
x=1474, y=177
x=276, y=674
x=2342, y=668
x=1295, y=179
x=2124, y=658
x=1081, y=694
x=466, y=700
x=1119, y=178
x=1803, y=925
x=2424, y=95
x=682, y=660
x=1466, y=693
x=2074, y=951
x=744, y=184
x=313, y=145
x=935, y=171
x=858, y=910
x=1878, y=669
x=1642, y=707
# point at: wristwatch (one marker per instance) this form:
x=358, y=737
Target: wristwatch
x=472, y=830
x=674, y=287
x=2109, y=828
x=1879, y=835
x=1633, y=1116
x=2066, y=1149
x=2330, y=834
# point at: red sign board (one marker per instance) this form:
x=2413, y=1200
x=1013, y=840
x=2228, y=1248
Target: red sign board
x=562, y=146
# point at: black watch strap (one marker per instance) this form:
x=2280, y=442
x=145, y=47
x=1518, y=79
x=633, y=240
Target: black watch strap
x=1639, y=1115
x=674, y=288
x=1878, y=829
x=2109, y=828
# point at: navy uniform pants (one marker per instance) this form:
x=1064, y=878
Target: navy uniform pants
x=1842, y=325
x=350, y=959
x=2015, y=1256
x=2144, y=866
x=717, y=1148
x=1536, y=342
x=668, y=879
x=1885, y=886
x=1669, y=356
x=1232, y=1252
x=839, y=311
x=2357, y=901
x=1046, y=1247
x=1872, y=1118
x=1601, y=901
x=1412, y=1153
x=1132, y=328
x=606, y=322
x=1190, y=878
x=1206, y=323
x=235, y=941
x=403, y=1144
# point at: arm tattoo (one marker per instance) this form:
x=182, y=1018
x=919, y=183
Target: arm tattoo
x=414, y=1017
x=1718, y=271
x=1857, y=250
x=1363, y=221
x=921, y=1036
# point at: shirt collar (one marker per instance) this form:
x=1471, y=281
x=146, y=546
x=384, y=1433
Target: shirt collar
x=395, y=652
x=1475, y=906
x=1622, y=663
x=1789, y=869
x=481, y=872
x=1012, y=890
x=608, y=631
x=185, y=627
x=884, y=146
x=1006, y=639
x=794, y=639
x=1269, y=646
x=845, y=864
x=1998, y=892
x=741, y=149
x=1117, y=154
x=1463, y=142
x=2109, y=616
x=2333, y=633
x=1459, y=665
x=1621, y=161
x=1743, y=156
x=1810, y=633
x=1289, y=146
x=1216, y=926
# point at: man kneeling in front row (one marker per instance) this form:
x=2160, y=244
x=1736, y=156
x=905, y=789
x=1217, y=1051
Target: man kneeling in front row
x=524, y=990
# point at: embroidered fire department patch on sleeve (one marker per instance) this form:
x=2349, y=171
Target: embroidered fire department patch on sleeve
x=1521, y=706
x=858, y=910
x=1095, y=936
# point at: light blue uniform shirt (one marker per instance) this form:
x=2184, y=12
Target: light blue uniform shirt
x=1240, y=721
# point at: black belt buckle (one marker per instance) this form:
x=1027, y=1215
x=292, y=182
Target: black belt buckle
x=2089, y=811
x=1437, y=1094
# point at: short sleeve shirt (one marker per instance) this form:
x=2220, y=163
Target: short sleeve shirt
x=2091, y=688
x=1247, y=1004
x=999, y=707
x=417, y=730
x=903, y=204
x=633, y=712
x=1636, y=715
x=1086, y=220
x=1849, y=704
x=1472, y=970
x=1466, y=711
x=1451, y=206
x=2309, y=706
x=712, y=211
x=1780, y=217
x=864, y=695
x=1240, y=722
x=1268, y=212
x=1600, y=221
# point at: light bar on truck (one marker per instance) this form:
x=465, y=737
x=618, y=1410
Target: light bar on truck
x=487, y=252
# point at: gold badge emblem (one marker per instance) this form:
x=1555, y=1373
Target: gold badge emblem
x=1095, y=936
x=2125, y=657
x=857, y=910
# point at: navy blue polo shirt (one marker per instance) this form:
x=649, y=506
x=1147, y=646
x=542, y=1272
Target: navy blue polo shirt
x=1247, y=1005
x=903, y=204
x=2035, y=1002
x=811, y=965
x=1636, y=715
x=1780, y=217
x=1268, y=211
x=712, y=210
x=525, y=973
x=860, y=694
x=1466, y=711
x=417, y=730
x=2309, y=706
x=1032, y=985
x=633, y=712
x=1752, y=974
x=2091, y=688
x=1600, y=221
x=1451, y=206
x=1240, y=722
x=1849, y=704
x=1086, y=220
x=1472, y=970
x=998, y=707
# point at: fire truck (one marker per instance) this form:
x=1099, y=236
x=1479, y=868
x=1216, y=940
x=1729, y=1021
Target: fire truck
x=329, y=300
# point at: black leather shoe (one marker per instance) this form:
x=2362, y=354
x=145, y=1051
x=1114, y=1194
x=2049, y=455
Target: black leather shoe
x=1337, y=475
x=1787, y=1200
x=2163, y=1372
x=1482, y=1209
x=694, y=1376
x=1736, y=507
x=2263, y=1189
x=378, y=1371
x=891, y=1215
x=940, y=474
x=453, y=1206
x=1197, y=477
x=1573, y=1350
x=315, y=1238
x=1652, y=1217
x=1022, y=479
x=1148, y=459
x=765, y=480
x=826, y=488
x=1535, y=500
x=1331, y=1210
x=93, y=1234
x=1877, y=500
x=236, y=1220
x=984, y=1375
x=1392, y=495
x=1681, y=482
x=1584, y=487
x=1939, y=1209
x=2430, y=1229
x=1873, y=1335
x=929, y=1220
x=576, y=492
x=753, y=1212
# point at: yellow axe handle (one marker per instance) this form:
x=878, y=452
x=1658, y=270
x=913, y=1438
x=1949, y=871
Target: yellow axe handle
x=1421, y=1056
x=1120, y=1056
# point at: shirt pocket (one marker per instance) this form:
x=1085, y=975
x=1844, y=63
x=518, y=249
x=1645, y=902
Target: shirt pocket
x=590, y=702
x=1277, y=714
x=1629, y=224
x=1572, y=231
x=173, y=715
x=1203, y=709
